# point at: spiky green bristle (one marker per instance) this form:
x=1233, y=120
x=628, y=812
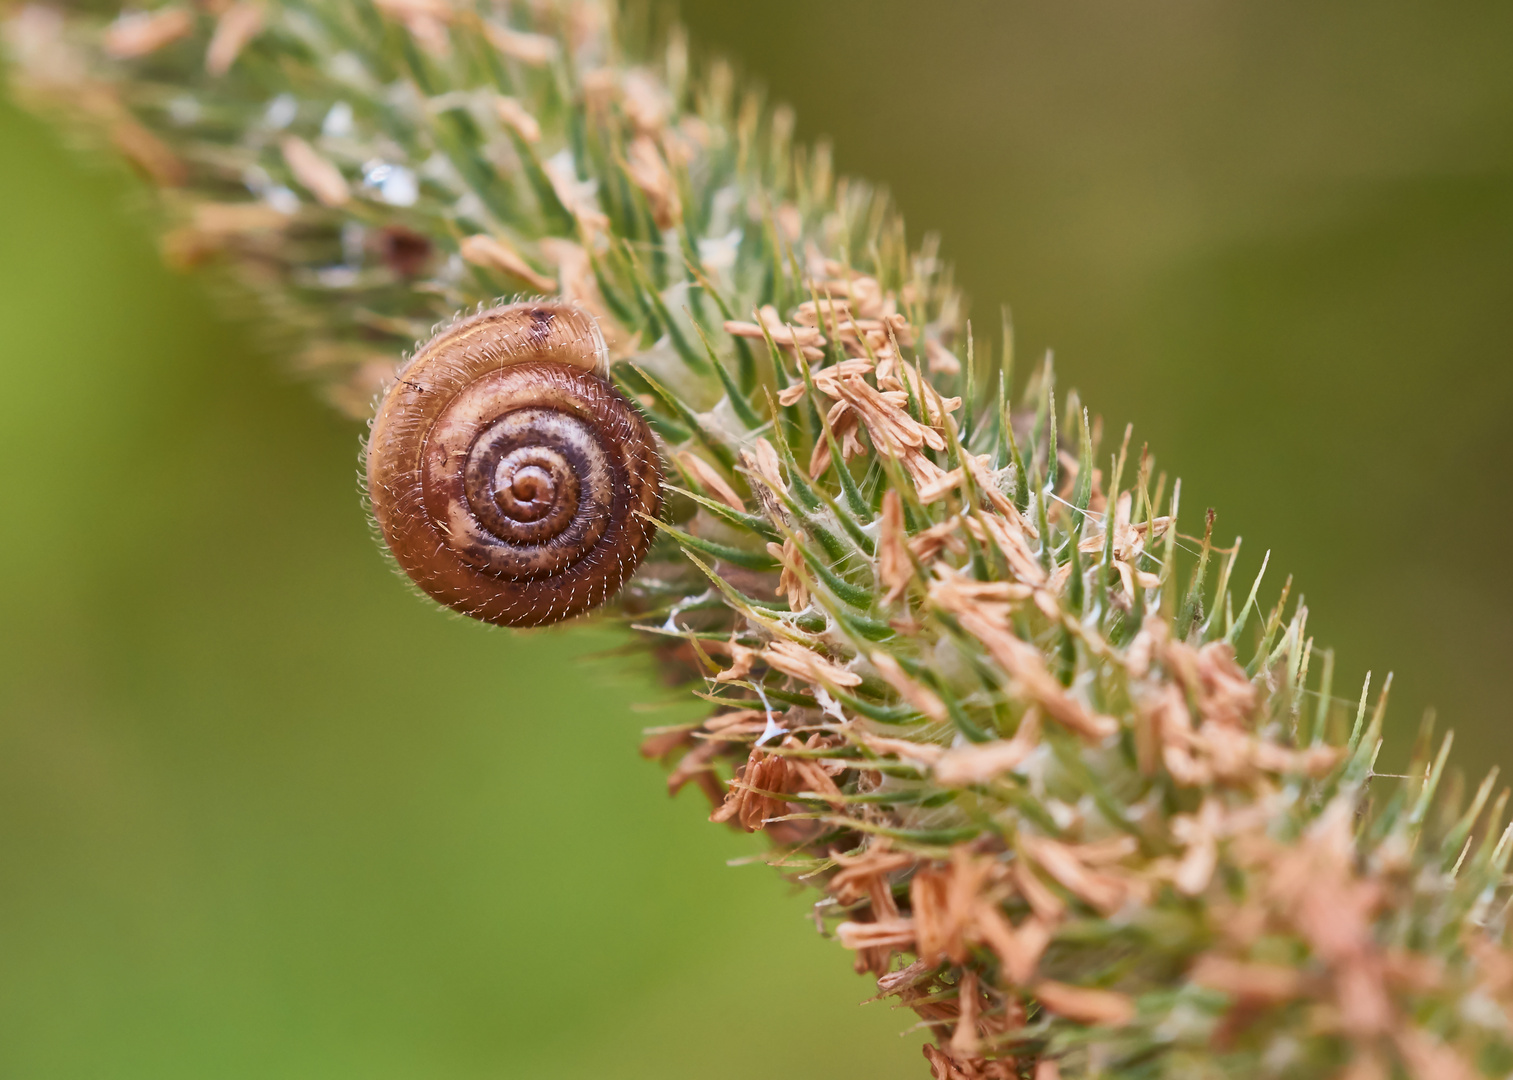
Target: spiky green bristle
x=1085, y=804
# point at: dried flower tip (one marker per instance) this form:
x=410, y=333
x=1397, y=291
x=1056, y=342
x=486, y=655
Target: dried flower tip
x=426, y=21
x=862, y=875
x=493, y=254
x=791, y=580
x=1248, y=982
x=916, y=694
x=514, y=115
x=577, y=196
x=647, y=170
x=805, y=340
x=711, y=480
x=739, y=721
x=147, y=152
x=937, y=488
x=1020, y=948
x=213, y=225
x=892, y=934
x=533, y=50
x=138, y=33
x=1085, y=1005
x=645, y=101
x=742, y=658
x=758, y=796
x=921, y=754
x=1019, y=659
x=237, y=26
x=826, y=379
x=762, y=459
x=575, y=274
x=980, y=763
x=941, y=360
x=659, y=744
x=314, y=173
x=793, y=659
x=1103, y=891
x=894, y=567
x=964, y=1040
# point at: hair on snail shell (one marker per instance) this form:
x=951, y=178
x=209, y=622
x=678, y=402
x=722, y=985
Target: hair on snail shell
x=510, y=480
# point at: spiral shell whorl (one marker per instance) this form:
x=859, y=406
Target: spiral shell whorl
x=507, y=475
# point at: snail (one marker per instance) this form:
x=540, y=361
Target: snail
x=510, y=480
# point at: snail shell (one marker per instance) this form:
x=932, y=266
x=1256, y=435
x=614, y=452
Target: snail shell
x=507, y=475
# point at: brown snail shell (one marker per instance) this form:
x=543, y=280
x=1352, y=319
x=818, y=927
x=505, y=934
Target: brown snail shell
x=507, y=475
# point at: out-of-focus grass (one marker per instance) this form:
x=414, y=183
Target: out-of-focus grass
x=263, y=813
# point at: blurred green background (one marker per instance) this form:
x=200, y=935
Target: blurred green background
x=265, y=814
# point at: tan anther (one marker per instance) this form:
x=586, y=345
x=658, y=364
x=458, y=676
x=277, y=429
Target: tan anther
x=741, y=660
x=866, y=874
x=577, y=196
x=1019, y=659
x=314, y=173
x=894, y=567
x=1104, y=891
x=1019, y=948
x=494, y=254
x=805, y=664
x=941, y=360
x=1246, y=981
x=826, y=380
x=791, y=579
x=1199, y=834
x=533, y=50
x=762, y=459
x=517, y=118
x=965, y=1042
x=1085, y=1004
x=710, y=479
x=138, y=33
x=235, y=28
x=914, y=693
x=147, y=152
x=922, y=754
x=425, y=20
x=576, y=282
x=892, y=933
x=979, y=763
x=946, y=535
x=647, y=170
x=805, y=340
x=941, y=486
x=645, y=101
